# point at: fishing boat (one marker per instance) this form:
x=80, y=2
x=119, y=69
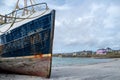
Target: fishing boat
x=26, y=39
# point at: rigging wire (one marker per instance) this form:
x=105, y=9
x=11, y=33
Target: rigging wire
x=10, y=25
x=14, y=21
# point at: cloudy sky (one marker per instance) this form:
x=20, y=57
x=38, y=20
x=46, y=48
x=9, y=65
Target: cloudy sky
x=82, y=24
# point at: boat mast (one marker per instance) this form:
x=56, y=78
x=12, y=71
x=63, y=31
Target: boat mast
x=17, y=6
x=25, y=11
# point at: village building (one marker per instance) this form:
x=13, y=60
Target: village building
x=101, y=52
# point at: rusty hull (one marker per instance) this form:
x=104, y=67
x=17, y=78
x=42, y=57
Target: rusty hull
x=37, y=65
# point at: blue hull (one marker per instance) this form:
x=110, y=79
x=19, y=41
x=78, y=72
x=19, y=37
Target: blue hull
x=31, y=41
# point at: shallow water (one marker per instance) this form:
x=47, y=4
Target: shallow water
x=58, y=61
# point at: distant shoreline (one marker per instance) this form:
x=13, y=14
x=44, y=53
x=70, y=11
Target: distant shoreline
x=87, y=56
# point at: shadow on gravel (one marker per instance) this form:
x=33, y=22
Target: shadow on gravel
x=6, y=72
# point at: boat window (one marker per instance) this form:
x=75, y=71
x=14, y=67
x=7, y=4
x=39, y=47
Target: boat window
x=37, y=24
x=40, y=23
x=31, y=25
x=24, y=30
x=8, y=37
x=3, y=39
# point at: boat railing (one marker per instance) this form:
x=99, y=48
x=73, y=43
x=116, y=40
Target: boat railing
x=22, y=13
x=2, y=19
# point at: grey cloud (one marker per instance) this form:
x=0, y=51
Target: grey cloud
x=2, y=3
x=90, y=31
x=85, y=24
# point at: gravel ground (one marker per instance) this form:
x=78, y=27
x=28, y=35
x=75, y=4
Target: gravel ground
x=101, y=71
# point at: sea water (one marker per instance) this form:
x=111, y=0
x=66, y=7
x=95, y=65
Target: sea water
x=59, y=61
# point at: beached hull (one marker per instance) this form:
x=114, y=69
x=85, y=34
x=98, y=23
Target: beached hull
x=32, y=53
x=38, y=65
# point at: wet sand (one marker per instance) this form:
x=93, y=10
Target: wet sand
x=101, y=71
